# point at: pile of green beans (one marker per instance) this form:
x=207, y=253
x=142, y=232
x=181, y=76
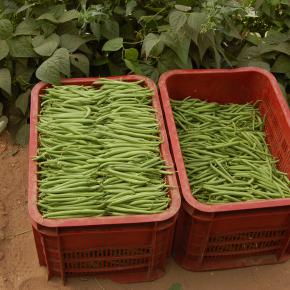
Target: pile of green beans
x=225, y=153
x=99, y=151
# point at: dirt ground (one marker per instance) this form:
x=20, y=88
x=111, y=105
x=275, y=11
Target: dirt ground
x=19, y=267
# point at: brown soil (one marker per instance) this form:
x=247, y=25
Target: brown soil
x=19, y=267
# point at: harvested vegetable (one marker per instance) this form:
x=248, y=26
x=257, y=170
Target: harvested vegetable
x=225, y=153
x=99, y=152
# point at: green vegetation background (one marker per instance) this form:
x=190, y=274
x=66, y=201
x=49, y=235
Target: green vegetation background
x=46, y=40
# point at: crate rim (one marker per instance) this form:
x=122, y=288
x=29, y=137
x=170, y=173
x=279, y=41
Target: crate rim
x=34, y=213
x=169, y=119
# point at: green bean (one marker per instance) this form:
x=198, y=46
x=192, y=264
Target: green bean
x=99, y=146
x=74, y=213
x=225, y=152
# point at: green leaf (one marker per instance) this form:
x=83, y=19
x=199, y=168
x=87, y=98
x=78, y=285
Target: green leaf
x=22, y=101
x=212, y=42
x=275, y=2
x=281, y=65
x=283, y=47
x=8, y=7
x=196, y=20
x=167, y=61
x=72, y=42
x=113, y=44
x=146, y=19
x=81, y=62
x=22, y=135
x=217, y=57
x=15, y=117
x=133, y=66
x=232, y=30
x=183, y=8
x=1, y=109
x=180, y=45
x=49, y=17
x=258, y=4
x=47, y=27
x=21, y=46
x=258, y=63
x=5, y=80
x=69, y=15
x=37, y=40
x=254, y=38
x=96, y=30
x=57, y=10
x=157, y=50
x=62, y=56
x=248, y=52
x=48, y=46
x=23, y=75
x=24, y=7
x=131, y=54
x=177, y=19
x=183, y=65
x=155, y=75
x=149, y=42
x=204, y=44
x=164, y=28
x=150, y=71
x=110, y=29
x=131, y=5
x=275, y=37
x=51, y=70
x=27, y=27
x=4, y=49
x=86, y=50
x=6, y=28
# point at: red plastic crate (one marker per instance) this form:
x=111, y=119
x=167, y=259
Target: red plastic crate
x=235, y=234
x=125, y=248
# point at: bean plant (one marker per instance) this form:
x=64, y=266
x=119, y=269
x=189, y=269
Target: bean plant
x=48, y=40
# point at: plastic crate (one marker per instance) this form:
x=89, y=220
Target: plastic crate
x=235, y=234
x=125, y=248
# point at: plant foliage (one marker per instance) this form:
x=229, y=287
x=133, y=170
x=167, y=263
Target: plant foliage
x=49, y=39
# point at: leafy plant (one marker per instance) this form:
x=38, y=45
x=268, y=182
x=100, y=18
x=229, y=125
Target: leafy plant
x=47, y=40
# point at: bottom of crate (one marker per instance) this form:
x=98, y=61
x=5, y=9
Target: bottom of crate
x=139, y=262
x=123, y=276
x=221, y=263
